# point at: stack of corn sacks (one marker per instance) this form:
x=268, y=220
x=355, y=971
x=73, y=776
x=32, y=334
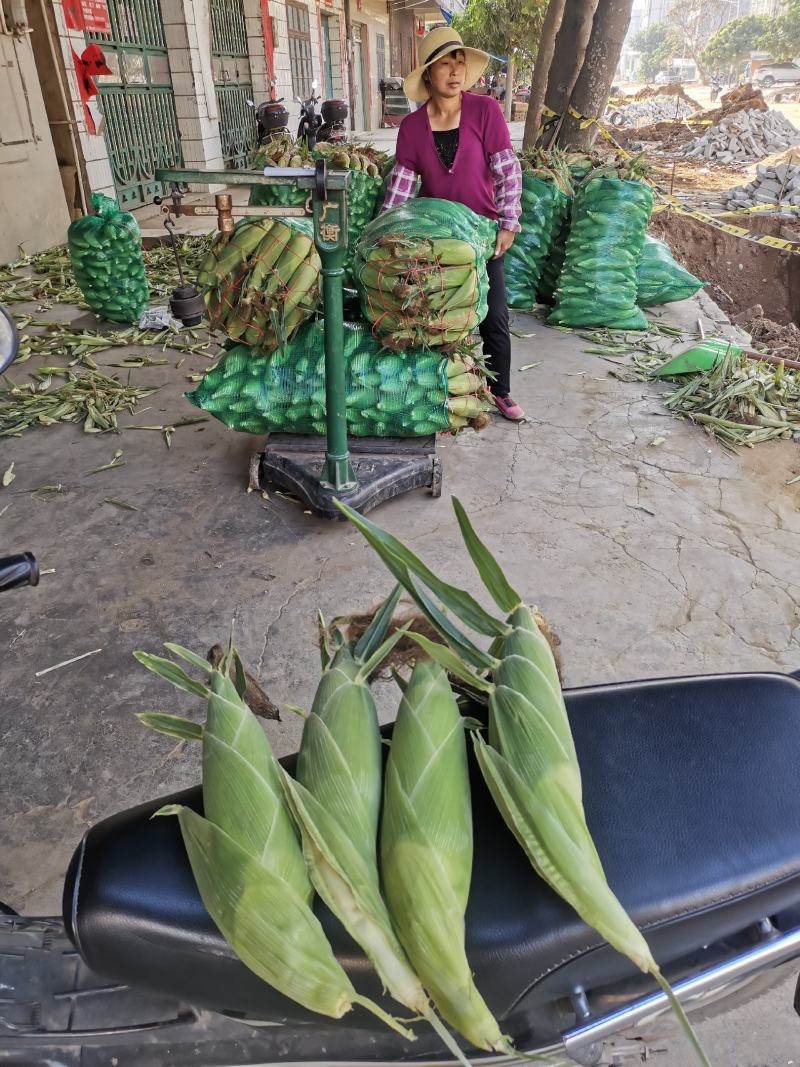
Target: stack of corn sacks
x=263, y=282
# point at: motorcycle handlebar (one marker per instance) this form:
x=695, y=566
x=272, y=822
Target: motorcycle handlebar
x=18, y=570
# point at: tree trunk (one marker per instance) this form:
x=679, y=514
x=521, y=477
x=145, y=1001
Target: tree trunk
x=593, y=87
x=544, y=57
x=570, y=48
x=509, y=100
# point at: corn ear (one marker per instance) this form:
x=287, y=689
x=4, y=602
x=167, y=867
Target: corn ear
x=531, y=768
x=271, y=928
x=245, y=854
x=426, y=850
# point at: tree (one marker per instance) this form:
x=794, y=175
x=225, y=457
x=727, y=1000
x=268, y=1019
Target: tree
x=541, y=69
x=593, y=86
x=696, y=22
x=734, y=42
x=505, y=27
x=570, y=48
x=782, y=38
x=658, y=44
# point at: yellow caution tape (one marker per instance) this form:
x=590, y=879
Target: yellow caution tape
x=671, y=203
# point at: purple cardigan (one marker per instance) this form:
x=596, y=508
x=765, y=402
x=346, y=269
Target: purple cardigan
x=483, y=133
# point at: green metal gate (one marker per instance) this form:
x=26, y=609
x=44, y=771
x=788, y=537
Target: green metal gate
x=141, y=127
x=231, y=64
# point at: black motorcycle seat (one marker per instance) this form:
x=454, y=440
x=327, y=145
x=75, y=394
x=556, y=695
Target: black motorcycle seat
x=691, y=792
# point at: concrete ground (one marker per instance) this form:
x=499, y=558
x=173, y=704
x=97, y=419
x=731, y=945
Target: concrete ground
x=649, y=559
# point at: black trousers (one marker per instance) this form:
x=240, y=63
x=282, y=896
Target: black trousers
x=494, y=329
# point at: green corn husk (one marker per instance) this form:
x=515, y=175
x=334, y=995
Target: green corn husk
x=529, y=765
x=426, y=850
x=245, y=855
x=336, y=802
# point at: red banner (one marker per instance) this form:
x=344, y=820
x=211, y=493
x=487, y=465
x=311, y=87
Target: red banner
x=95, y=16
x=90, y=16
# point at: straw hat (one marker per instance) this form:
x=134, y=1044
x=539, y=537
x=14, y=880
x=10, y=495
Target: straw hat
x=440, y=42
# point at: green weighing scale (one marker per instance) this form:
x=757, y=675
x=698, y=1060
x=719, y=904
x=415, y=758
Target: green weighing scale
x=369, y=470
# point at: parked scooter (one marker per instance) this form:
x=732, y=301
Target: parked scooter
x=310, y=121
x=334, y=116
x=700, y=843
x=272, y=116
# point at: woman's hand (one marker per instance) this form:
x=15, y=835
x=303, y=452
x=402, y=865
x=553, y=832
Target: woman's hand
x=505, y=239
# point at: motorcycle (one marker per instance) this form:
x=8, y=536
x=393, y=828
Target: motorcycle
x=716, y=88
x=334, y=116
x=310, y=121
x=690, y=791
x=272, y=116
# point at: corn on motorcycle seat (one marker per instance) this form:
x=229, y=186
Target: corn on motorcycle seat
x=691, y=792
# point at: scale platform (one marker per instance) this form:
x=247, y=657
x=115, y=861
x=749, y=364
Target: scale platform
x=384, y=467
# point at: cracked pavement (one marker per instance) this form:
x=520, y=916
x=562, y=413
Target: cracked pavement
x=648, y=558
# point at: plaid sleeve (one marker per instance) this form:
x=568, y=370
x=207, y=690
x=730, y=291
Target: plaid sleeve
x=402, y=186
x=507, y=178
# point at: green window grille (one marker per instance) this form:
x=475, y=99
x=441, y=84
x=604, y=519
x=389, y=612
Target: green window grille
x=141, y=126
x=237, y=125
x=299, y=35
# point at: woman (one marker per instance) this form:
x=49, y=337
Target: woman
x=458, y=144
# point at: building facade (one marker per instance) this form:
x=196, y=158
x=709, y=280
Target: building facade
x=173, y=90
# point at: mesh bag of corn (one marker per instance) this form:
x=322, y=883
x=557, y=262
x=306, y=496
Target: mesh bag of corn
x=597, y=286
x=280, y=152
x=421, y=273
x=659, y=279
x=105, y=250
x=388, y=394
x=363, y=190
x=546, y=193
x=263, y=282
x=578, y=166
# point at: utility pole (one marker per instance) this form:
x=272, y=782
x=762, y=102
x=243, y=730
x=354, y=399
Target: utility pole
x=510, y=65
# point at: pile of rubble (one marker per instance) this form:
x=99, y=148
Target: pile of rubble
x=743, y=136
x=777, y=185
x=652, y=109
x=767, y=335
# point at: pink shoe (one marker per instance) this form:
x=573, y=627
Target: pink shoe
x=508, y=409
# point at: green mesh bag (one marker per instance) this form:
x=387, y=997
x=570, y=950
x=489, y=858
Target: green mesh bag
x=105, y=250
x=363, y=197
x=278, y=195
x=659, y=279
x=554, y=262
x=388, y=394
x=421, y=272
x=544, y=208
x=606, y=237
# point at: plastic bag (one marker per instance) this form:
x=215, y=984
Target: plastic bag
x=659, y=279
x=544, y=208
x=598, y=282
x=421, y=272
x=388, y=394
x=264, y=282
x=105, y=250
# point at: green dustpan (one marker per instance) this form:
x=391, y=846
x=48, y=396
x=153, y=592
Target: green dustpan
x=703, y=356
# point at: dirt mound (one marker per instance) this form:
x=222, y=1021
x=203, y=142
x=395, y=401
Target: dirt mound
x=768, y=335
x=674, y=89
x=742, y=98
x=669, y=134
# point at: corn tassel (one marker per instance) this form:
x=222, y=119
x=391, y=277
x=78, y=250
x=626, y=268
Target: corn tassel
x=529, y=765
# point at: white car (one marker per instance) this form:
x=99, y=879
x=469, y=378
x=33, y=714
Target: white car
x=778, y=73
x=667, y=77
